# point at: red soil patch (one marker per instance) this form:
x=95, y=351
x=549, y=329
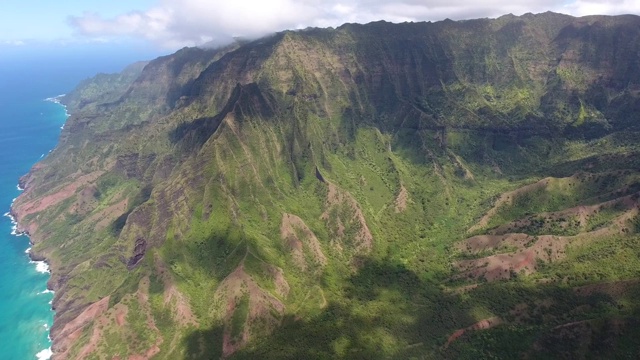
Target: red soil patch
x=44, y=202
x=101, y=318
x=281, y=284
x=502, y=266
x=546, y=248
x=299, y=237
x=73, y=330
x=528, y=250
x=90, y=347
x=262, y=307
x=401, y=200
x=121, y=314
x=338, y=199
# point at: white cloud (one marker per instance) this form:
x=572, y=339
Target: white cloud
x=610, y=7
x=14, y=42
x=176, y=23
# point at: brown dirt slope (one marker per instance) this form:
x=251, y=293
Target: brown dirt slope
x=301, y=240
x=503, y=252
x=264, y=309
x=342, y=212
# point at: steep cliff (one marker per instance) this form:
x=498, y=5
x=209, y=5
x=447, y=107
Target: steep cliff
x=384, y=190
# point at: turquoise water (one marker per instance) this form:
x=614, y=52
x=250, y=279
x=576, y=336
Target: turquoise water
x=29, y=128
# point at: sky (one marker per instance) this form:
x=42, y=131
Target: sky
x=167, y=25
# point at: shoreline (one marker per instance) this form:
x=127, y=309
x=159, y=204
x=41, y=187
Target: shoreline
x=41, y=266
x=41, y=263
x=57, y=100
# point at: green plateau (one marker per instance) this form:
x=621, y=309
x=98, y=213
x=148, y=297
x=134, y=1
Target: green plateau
x=456, y=189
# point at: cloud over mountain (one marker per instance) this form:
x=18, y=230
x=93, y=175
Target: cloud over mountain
x=176, y=23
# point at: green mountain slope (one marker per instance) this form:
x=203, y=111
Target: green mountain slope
x=428, y=190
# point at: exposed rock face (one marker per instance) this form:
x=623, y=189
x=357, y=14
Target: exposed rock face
x=305, y=195
x=138, y=253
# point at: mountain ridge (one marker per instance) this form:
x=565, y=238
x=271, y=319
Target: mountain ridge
x=232, y=197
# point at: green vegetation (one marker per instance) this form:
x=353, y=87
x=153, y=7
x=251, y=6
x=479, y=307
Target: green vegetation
x=314, y=195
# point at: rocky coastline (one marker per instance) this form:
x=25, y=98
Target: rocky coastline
x=28, y=228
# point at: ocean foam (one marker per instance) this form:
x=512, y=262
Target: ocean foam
x=14, y=229
x=41, y=267
x=47, y=292
x=55, y=99
x=44, y=354
x=19, y=188
x=14, y=225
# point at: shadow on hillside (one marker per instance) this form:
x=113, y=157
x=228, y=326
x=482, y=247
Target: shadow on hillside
x=597, y=163
x=204, y=344
x=383, y=311
x=194, y=134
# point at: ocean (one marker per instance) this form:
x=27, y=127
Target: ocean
x=29, y=129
